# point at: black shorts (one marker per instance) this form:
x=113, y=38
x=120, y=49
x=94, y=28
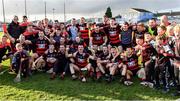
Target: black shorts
x=86, y=41
x=98, y=44
x=80, y=66
x=115, y=44
x=134, y=72
x=0, y=59
x=59, y=67
x=124, y=46
x=24, y=66
x=93, y=63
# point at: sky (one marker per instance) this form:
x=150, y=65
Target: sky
x=78, y=8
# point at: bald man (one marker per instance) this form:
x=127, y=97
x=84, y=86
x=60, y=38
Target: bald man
x=164, y=21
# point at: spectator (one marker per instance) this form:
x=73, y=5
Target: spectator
x=14, y=28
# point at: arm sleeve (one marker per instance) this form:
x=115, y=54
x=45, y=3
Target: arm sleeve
x=9, y=29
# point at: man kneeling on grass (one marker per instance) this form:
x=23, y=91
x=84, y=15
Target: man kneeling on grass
x=131, y=60
x=81, y=64
x=61, y=64
x=20, y=63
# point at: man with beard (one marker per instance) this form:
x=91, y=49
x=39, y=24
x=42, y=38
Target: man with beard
x=152, y=27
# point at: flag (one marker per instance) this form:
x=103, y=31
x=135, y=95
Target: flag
x=4, y=28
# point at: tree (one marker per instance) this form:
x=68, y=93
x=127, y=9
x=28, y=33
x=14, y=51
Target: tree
x=108, y=12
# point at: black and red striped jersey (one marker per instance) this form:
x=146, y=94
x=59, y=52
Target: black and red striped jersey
x=113, y=35
x=84, y=31
x=81, y=60
x=132, y=62
x=97, y=38
x=41, y=46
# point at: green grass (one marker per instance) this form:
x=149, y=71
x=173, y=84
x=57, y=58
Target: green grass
x=40, y=87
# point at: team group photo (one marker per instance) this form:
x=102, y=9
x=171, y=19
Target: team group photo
x=135, y=56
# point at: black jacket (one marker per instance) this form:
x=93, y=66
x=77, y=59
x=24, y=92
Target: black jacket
x=14, y=29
